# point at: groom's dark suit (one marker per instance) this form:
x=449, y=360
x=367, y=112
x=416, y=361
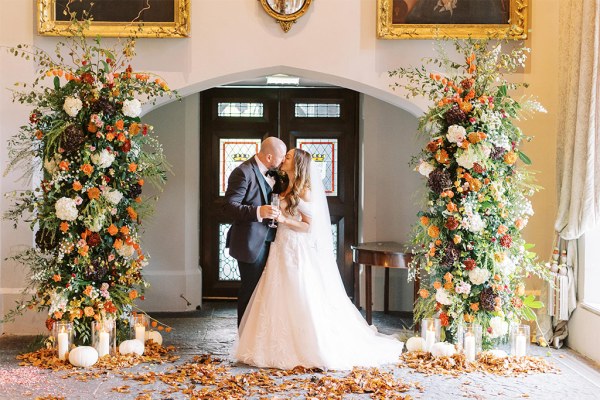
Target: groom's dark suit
x=248, y=240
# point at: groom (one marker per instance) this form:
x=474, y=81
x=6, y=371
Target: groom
x=246, y=202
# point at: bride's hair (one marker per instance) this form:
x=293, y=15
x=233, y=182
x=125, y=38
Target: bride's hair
x=301, y=180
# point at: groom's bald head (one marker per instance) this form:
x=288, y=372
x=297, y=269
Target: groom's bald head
x=272, y=151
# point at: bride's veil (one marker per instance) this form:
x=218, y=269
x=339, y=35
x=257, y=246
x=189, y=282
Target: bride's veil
x=320, y=226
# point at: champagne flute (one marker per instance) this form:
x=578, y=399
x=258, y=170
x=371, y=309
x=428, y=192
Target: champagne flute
x=274, y=203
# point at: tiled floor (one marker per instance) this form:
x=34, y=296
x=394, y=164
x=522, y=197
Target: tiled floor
x=213, y=330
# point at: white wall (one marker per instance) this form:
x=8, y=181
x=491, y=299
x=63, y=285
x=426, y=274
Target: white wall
x=232, y=40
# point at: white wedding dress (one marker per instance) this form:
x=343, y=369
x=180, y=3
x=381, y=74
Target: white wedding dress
x=300, y=315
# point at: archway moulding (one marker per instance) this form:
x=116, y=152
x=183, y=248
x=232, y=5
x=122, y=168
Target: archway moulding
x=415, y=108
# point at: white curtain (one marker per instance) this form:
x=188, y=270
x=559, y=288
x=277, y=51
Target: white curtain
x=578, y=155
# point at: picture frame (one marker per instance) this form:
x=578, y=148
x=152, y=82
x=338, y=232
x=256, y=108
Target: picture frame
x=460, y=19
x=163, y=18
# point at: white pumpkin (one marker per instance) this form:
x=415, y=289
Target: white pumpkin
x=155, y=336
x=131, y=347
x=415, y=343
x=443, y=349
x=497, y=353
x=83, y=356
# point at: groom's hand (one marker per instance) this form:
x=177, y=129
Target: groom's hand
x=269, y=212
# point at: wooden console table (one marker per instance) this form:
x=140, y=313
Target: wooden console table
x=378, y=254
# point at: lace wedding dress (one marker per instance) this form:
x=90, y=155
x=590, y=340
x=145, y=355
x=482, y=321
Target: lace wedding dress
x=300, y=315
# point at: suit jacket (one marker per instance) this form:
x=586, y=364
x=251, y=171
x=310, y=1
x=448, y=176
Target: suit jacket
x=246, y=191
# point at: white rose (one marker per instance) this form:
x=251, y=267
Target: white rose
x=104, y=159
x=132, y=108
x=499, y=327
x=467, y=158
x=506, y=266
x=477, y=224
x=443, y=297
x=126, y=251
x=425, y=168
x=456, y=134
x=72, y=106
x=113, y=196
x=477, y=276
x=66, y=209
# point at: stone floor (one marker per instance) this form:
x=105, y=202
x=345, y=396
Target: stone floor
x=213, y=330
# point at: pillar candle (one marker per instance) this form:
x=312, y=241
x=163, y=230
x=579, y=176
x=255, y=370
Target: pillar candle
x=520, y=345
x=140, y=333
x=469, y=347
x=63, y=345
x=103, y=343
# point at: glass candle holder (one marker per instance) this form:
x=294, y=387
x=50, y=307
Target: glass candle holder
x=63, y=332
x=469, y=337
x=104, y=337
x=431, y=329
x=139, y=324
x=519, y=340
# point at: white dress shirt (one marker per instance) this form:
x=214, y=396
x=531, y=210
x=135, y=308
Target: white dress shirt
x=270, y=180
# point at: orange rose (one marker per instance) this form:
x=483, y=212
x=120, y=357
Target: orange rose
x=424, y=220
x=77, y=186
x=56, y=278
x=448, y=277
x=424, y=293
x=132, y=213
x=134, y=129
x=64, y=226
x=83, y=250
x=433, y=231
x=133, y=294
x=112, y=230
x=141, y=182
x=118, y=244
x=451, y=207
x=125, y=230
x=468, y=318
x=110, y=137
x=448, y=286
x=88, y=311
x=441, y=156
x=58, y=315
x=502, y=229
x=519, y=223
x=88, y=290
x=120, y=124
x=63, y=165
x=93, y=193
x=475, y=306
x=132, y=167
x=437, y=285
x=510, y=157
x=456, y=239
x=92, y=128
x=466, y=106
x=77, y=313
x=87, y=169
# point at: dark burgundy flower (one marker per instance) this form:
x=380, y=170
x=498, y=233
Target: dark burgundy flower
x=452, y=223
x=94, y=239
x=506, y=241
x=469, y=264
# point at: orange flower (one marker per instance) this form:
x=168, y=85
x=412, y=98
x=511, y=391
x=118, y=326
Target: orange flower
x=92, y=128
x=466, y=106
x=502, y=229
x=77, y=186
x=110, y=137
x=63, y=165
x=58, y=315
x=133, y=294
x=519, y=223
x=141, y=182
x=87, y=169
x=448, y=277
x=120, y=124
x=456, y=239
x=39, y=134
x=451, y=207
x=433, y=231
x=437, y=285
x=510, y=157
x=88, y=290
x=138, y=199
x=112, y=230
x=83, y=250
x=468, y=318
x=121, y=137
x=424, y=293
x=76, y=313
x=88, y=311
x=56, y=278
x=448, y=286
x=132, y=167
x=133, y=214
x=441, y=156
x=424, y=220
x=124, y=230
x=444, y=319
x=118, y=244
x=134, y=129
x=432, y=252
x=64, y=226
x=93, y=193
x=475, y=306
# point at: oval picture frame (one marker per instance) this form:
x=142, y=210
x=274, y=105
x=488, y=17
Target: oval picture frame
x=285, y=12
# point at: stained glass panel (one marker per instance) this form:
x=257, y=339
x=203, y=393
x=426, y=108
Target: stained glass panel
x=233, y=152
x=325, y=154
x=228, y=266
x=317, y=110
x=238, y=110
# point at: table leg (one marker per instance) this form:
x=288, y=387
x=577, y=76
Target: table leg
x=386, y=291
x=368, y=294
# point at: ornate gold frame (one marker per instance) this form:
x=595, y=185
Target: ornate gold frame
x=515, y=29
x=180, y=27
x=284, y=20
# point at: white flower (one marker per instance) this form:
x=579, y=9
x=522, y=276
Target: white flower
x=72, y=106
x=104, y=159
x=467, y=158
x=425, y=168
x=66, y=209
x=58, y=302
x=113, y=196
x=51, y=166
x=126, y=251
x=443, y=297
x=499, y=327
x=477, y=276
x=132, y=108
x=463, y=287
x=456, y=134
x=472, y=221
x=96, y=223
x=506, y=266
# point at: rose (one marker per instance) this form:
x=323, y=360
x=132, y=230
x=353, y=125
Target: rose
x=113, y=196
x=66, y=209
x=477, y=276
x=425, y=168
x=467, y=158
x=463, y=287
x=72, y=105
x=126, y=251
x=104, y=159
x=499, y=327
x=132, y=108
x=443, y=297
x=456, y=134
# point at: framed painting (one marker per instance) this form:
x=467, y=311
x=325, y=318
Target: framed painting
x=116, y=18
x=428, y=19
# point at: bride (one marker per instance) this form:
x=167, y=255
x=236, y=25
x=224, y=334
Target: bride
x=299, y=314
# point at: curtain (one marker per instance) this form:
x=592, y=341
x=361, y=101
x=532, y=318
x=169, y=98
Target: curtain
x=578, y=155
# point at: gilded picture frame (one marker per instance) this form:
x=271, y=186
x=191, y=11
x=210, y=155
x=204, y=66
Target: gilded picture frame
x=171, y=19
x=461, y=19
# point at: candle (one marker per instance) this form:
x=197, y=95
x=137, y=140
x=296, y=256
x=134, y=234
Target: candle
x=103, y=343
x=63, y=344
x=520, y=345
x=429, y=338
x=469, y=347
x=140, y=332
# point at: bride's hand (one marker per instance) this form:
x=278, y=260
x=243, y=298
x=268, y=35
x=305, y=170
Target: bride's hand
x=281, y=219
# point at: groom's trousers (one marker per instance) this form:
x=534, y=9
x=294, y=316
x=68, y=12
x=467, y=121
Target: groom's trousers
x=250, y=274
